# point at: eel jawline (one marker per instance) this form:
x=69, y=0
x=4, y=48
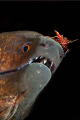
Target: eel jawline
x=40, y=59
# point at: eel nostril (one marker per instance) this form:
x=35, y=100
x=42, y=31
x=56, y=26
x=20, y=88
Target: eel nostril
x=61, y=55
x=45, y=44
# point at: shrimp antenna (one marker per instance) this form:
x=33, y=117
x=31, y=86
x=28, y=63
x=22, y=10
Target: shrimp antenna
x=74, y=40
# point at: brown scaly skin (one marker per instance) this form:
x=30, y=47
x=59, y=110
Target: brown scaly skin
x=20, y=82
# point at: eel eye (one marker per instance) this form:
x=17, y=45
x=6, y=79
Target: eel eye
x=26, y=48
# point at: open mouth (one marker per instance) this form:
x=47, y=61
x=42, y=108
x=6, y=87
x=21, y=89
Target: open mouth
x=45, y=61
x=40, y=59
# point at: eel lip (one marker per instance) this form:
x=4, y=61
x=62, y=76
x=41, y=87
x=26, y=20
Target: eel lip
x=40, y=59
x=8, y=72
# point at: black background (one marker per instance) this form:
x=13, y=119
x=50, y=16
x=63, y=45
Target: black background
x=60, y=98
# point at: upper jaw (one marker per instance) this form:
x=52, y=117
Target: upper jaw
x=39, y=59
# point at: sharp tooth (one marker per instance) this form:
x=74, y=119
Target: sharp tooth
x=51, y=63
x=36, y=58
x=45, y=60
x=40, y=57
x=30, y=61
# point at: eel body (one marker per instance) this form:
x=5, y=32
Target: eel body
x=27, y=61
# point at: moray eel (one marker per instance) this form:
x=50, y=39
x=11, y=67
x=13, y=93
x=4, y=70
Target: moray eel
x=27, y=61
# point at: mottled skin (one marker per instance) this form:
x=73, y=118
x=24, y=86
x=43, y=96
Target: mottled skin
x=19, y=89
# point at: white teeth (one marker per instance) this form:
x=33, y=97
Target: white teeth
x=40, y=57
x=45, y=61
x=36, y=58
x=30, y=61
x=51, y=63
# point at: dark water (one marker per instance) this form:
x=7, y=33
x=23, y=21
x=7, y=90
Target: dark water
x=60, y=99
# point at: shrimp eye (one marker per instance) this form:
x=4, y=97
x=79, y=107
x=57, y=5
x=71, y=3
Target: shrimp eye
x=26, y=48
